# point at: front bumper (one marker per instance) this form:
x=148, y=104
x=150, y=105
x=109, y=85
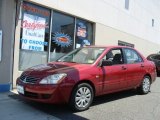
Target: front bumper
x=41, y=93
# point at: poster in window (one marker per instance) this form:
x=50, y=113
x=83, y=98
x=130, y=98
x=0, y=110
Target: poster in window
x=81, y=30
x=82, y=35
x=61, y=39
x=33, y=35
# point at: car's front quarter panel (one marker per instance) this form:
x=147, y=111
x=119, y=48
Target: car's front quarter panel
x=85, y=73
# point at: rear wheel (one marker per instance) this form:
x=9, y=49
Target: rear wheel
x=145, y=85
x=82, y=97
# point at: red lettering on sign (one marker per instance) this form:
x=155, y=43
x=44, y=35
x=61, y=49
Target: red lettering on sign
x=36, y=10
x=33, y=25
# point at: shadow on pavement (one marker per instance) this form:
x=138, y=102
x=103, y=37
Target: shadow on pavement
x=113, y=96
x=63, y=111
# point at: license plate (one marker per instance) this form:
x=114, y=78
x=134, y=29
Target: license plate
x=20, y=89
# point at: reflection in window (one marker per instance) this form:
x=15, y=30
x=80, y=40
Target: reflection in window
x=132, y=56
x=62, y=38
x=83, y=55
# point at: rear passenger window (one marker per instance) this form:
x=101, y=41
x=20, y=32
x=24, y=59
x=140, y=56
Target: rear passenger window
x=132, y=56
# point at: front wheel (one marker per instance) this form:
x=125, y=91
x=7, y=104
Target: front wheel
x=82, y=97
x=145, y=85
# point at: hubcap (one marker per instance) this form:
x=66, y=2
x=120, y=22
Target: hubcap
x=83, y=97
x=146, y=85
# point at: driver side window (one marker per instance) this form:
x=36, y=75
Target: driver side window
x=115, y=56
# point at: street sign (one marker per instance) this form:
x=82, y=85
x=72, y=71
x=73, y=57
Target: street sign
x=0, y=45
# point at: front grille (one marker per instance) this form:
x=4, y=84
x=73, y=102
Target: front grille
x=36, y=95
x=28, y=79
x=31, y=95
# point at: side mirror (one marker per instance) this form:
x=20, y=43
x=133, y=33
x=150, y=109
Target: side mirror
x=106, y=63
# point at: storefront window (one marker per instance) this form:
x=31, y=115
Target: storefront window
x=40, y=44
x=34, y=40
x=62, y=38
x=84, y=33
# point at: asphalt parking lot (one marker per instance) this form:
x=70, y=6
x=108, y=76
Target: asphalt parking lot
x=127, y=105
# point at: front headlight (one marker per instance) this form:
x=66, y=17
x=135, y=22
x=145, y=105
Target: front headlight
x=53, y=79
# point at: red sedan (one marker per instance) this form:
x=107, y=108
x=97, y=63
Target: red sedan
x=79, y=76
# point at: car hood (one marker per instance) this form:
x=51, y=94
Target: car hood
x=54, y=67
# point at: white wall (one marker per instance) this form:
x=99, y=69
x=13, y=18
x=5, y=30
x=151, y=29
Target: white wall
x=136, y=21
x=109, y=36
x=7, y=25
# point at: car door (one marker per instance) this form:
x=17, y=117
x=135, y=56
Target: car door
x=135, y=67
x=113, y=76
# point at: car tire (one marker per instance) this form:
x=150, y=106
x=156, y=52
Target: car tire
x=145, y=85
x=81, y=97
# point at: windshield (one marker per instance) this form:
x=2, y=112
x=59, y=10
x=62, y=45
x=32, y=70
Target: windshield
x=86, y=55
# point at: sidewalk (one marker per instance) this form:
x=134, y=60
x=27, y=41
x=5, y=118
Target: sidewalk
x=12, y=107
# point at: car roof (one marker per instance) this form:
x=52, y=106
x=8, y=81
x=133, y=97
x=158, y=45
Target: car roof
x=115, y=46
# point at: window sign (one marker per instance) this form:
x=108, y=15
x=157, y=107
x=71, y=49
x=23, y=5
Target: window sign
x=34, y=37
x=81, y=30
x=0, y=44
x=83, y=33
x=33, y=33
x=39, y=43
x=62, y=39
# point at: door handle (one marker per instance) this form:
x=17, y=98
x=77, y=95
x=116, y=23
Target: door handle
x=142, y=65
x=124, y=68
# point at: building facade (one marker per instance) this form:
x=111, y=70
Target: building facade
x=36, y=32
